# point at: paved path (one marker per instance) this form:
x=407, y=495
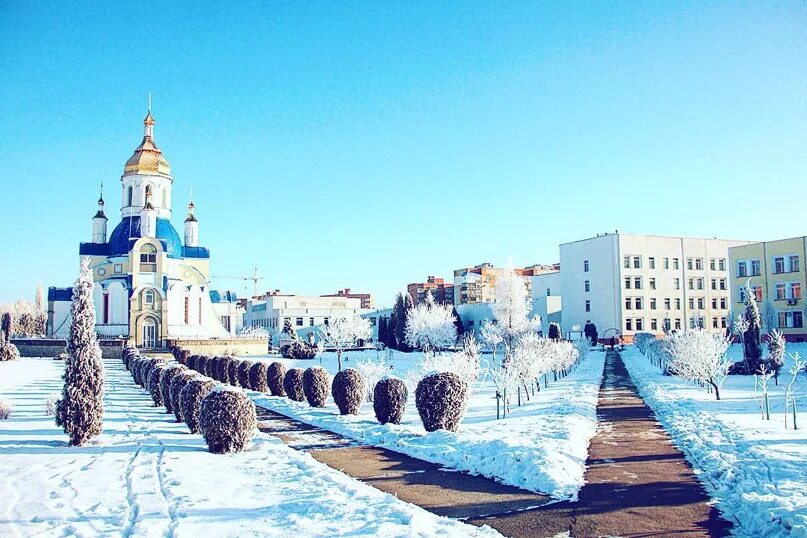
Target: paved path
x=637, y=483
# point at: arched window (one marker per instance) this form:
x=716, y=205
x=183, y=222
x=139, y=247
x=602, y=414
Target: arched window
x=148, y=259
x=129, y=197
x=148, y=298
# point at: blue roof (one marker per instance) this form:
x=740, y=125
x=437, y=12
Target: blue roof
x=123, y=237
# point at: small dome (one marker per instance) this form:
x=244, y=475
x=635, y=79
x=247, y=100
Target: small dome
x=147, y=157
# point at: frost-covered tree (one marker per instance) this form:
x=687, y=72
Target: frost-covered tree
x=465, y=363
x=6, y=326
x=776, y=353
x=430, y=326
x=700, y=356
x=343, y=332
x=511, y=309
x=372, y=370
x=751, y=340
x=458, y=324
x=768, y=316
x=288, y=330
x=81, y=409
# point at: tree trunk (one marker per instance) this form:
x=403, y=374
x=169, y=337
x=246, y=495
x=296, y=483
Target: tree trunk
x=717, y=389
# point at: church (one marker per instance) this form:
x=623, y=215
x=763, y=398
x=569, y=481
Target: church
x=151, y=285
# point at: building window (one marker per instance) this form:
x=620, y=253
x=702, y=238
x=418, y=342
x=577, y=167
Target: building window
x=106, y=308
x=714, y=283
x=689, y=264
x=758, y=293
x=666, y=263
x=675, y=264
x=628, y=303
x=639, y=324
x=692, y=303
x=548, y=292
x=311, y=321
x=794, y=263
x=652, y=283
x=781, y=291
x=742, y=269
x=299, y=322
x=721, y=264
x=677, y=283
x=779, y=264
x=791, y=320
x=129, y=196
x=667, y=304
x=691, y=283
x=755, y=268
x=714, y=323
x=723, y=303
x=712, y=264
x=637, y=262
x=587, y=286
x=795, y=290
x=678, y=304
x=626, y=262
x=653, y=324
x=653, y=303
x=637, y=282
x=187, y=310
x=627, y=282
x=699, y=264
x=118, y=268
x=700, y=283
x=148, y=297
x=677, y=324
x=588, y=306
x=714, y=303
x=628, y=324
x=585, y=266
x=652, y=261
x=639, y=304
x=701, y=303
x=148, y=259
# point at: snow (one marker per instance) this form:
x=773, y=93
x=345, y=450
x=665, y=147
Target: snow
x=541, y=446
x=755, y=469
x=145, y=475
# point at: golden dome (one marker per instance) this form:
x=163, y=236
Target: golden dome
x=147, y=157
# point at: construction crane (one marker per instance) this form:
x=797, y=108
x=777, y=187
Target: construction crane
x=255, y=278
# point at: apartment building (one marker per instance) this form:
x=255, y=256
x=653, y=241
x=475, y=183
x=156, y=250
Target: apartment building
x=477, y=284
x=546, y=297
x=366, y=299
x=442, y=292
x=629, y=283
x=776, y=272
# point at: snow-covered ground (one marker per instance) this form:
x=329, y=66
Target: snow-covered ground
x=541, y=446
x=147, y=476
x=756, y=469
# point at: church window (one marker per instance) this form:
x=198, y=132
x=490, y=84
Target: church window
x=187, y=310
x=148, y=297
x=106, y=308
x=148, y=259
x=130, y=196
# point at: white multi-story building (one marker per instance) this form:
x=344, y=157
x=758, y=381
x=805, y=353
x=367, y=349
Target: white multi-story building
x=302, y=311
x=546, y=297
x=626, y=283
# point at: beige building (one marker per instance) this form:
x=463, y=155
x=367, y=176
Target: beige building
x=477, y=284
x=628, y=283
x=775, y=270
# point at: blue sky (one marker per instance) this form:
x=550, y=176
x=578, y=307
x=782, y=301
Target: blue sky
x=370, y=144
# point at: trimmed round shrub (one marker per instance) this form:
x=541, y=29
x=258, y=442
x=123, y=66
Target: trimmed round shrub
x=192, y=360
x=220, y=373
x=153, y=383
x=257, y=377
x=441, y=400
x=243, y=373
x=389, y=400
x=347, y=390
x=232, y=371
x=227, y=419
x=147, y=368
x=9, y=352
x=201, y=364
x=298, y=350
x=127, y=354
x=293, y=384
x=316, y=385
x=135, y=370
x=182, y=356
x=190, y=400
x=275, y=373
x=213, y=366
x=166, y=376
x=178, y=383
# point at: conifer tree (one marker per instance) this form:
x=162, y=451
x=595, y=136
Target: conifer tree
x=81, y=409
x=382, y=330
x=391, y=342
x=289, y=330
x=458, y=324
x=751, y=341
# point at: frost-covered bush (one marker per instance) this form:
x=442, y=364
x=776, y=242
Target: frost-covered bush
x=371, y=369
x=192, y=362
x=8, y=352
x=80, y=410
x=298, y=350
x=275, y=373
x=430, y=326
x=190, y=400
x=227, y=419
x=348, y=391
x=166, y=376
x=293, y=384
x=232, y=371
x=243, y=373
x=128, y=353
x=50, y=405
x=699, y=355
x=147, y=366
x=201, y=364
x=389, y=400
x=776, y=352
x=465, y=363
x=316, y=385
x=178, y=382
x=153, y=383
x=441, y=400
x=6, y=407
x=257, y=377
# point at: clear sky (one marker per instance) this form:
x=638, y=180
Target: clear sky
x=370, y=144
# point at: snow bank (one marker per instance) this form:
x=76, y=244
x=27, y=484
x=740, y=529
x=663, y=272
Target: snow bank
x=147, y=476
x=541, y=446
x=755, y=469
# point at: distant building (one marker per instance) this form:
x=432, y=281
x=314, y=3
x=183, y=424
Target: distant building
x=367, y=301
x=627, y=283
x=777, y=276
x=477, y=284
x=546, y=297
x=272, y=310
x=228, y=309
x=443, y=293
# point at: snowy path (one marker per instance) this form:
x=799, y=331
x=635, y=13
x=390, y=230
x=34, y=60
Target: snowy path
x=147, y=476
